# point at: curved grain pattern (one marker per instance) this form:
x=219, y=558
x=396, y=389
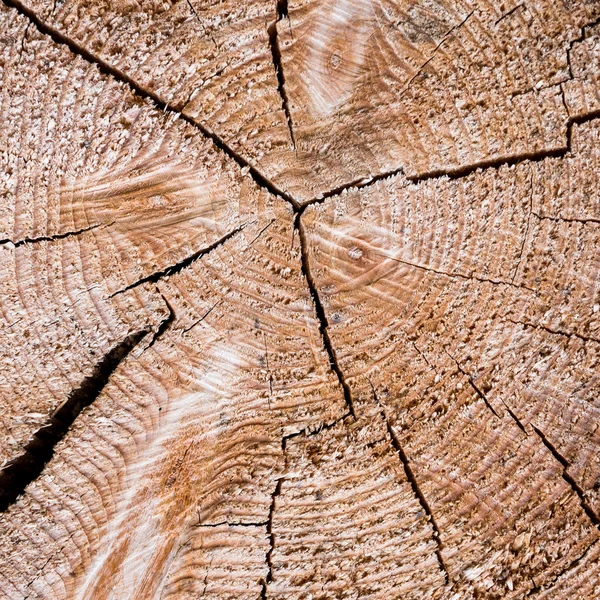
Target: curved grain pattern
x=299, y=299
x=421, y=87
x=476, y=329
x=347, y=518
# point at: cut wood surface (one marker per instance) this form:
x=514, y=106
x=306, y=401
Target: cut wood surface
x=300, y=299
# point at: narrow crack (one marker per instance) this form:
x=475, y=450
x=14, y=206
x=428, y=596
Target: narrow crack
x=410, y=476
x=589, y=511
x=433, y=54
x=456, y=275
x=182, y=264
x=566, y=334
x=565, y=219
x=268, y=558
x=571, y=565
x=47, y=562
x=524, y=241
x=465, y=170
x=50, y=238
x=321, y=316
x=514, y=417
x=210, y=35
x=203, y=316
x=322, y=427
x=561, y=459
x=476, y=388
x=577, y=40
x=205, y=582
x=510, y=12
x=60, y=38
x=228, y=524
x=165, y=323
x=277, y=492
x=282, y=12
x=24, y=469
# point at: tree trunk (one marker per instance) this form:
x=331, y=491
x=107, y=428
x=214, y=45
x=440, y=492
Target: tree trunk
x=300, y=301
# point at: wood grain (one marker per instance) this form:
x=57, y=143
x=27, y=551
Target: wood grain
x=299, y=299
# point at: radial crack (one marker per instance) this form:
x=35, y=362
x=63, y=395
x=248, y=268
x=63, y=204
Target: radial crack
x=472, y=384
x=269, y=578
x=228, y=524
x=465, y=170
x=433, y=54
x=60, y=38
x=50, y=238
x=524, y=241
x=321, y=316
x=189, y=3
x=410, y=476
x=24, y=469
x=584, y=221
x=566, y=334
x=570, y=566
x=508, y=13
x=182, y=264
x=577, y=40
x=165, y=323
x=589, y=511
x=282, y=12
x=457, y=275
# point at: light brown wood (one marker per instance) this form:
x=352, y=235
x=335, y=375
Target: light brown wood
x=299, y=299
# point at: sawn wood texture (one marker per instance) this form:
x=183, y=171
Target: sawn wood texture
x=299, y=299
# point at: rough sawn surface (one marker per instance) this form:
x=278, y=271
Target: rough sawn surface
x=299, y=299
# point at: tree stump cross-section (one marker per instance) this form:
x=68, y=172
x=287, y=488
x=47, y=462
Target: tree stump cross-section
x=299, y=299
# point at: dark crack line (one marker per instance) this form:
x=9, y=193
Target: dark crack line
x=514, y=417
x=203, y=316
x=165, y=323
x=583, y=221
x=571, y=565
x=60, y=38
x=22, y=49
x=526, y=229
x=262, y=231
x=450, y=174
x=575, y=487
x=278, y=65
x=321, y=316
x=210, y=35
x=463, y=171
x=270, y=378
x=435, y=50
x=414, y=484
x=455, y=275
x=228, y=524
x=475, y=388
x=309, y=433
x=510, y=12
x=268, y=558
x=554, y=331
x=277, y=492
x=24, y=469
x=589, y=511
x=578, y=40
x=47, y=562
x=205, y=582
x=182, y=264
x=282, y=10
x=51, y=238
